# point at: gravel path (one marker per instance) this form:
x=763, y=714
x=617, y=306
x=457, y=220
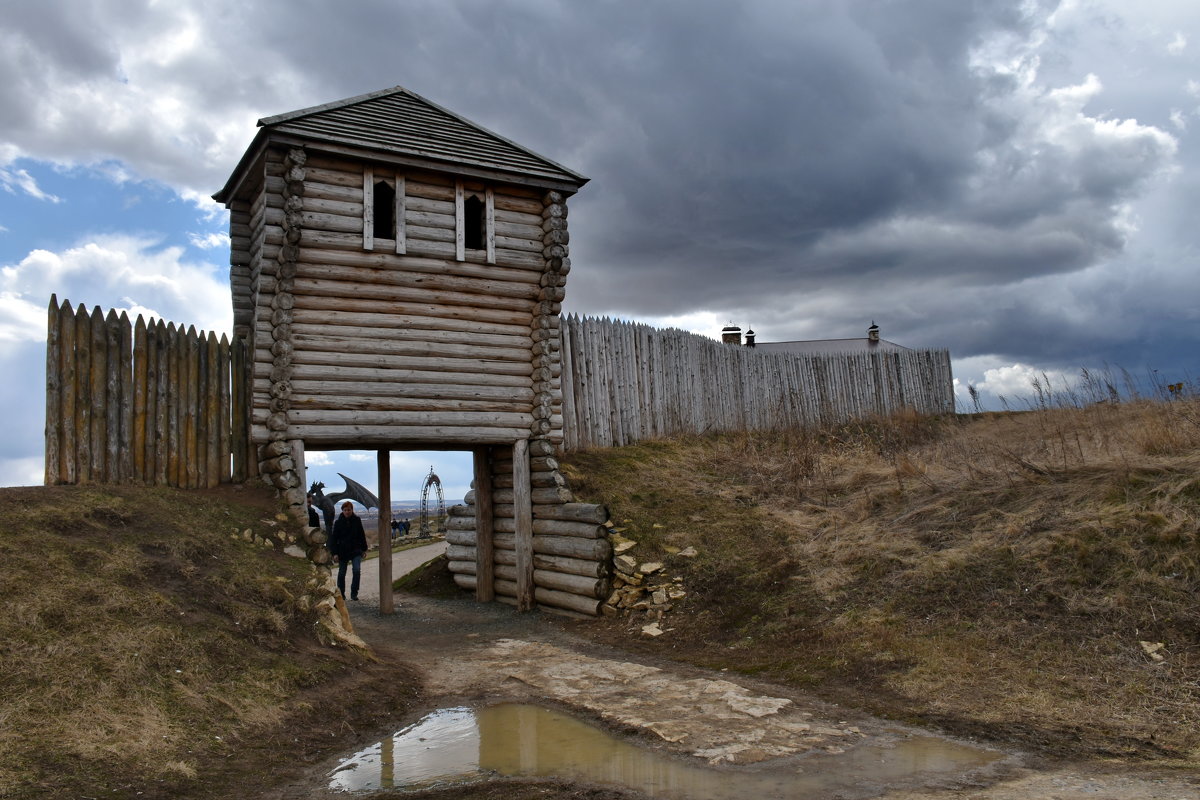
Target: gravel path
x=403, y=563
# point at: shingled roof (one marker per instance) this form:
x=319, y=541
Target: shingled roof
x=401, y=123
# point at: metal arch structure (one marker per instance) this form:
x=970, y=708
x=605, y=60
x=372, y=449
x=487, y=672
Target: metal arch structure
x=433, y=519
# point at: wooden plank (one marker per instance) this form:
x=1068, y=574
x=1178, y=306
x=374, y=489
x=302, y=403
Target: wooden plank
x=127, y=401
x=386, y=601
x=68, y=372
x=83, y=406
x=140, y=370
x=485, y=585
x=213, y=422
x=113, y=400
x=150, y=353
x=162, y=411
x=193, y=440
x=460, y=232
x=412, y=286
x=239, y=373
x=98, y=397
x=224, y=410
x=174, y=385
x=523, y=519
x=53, y=462
x=368, y=202
x=401, y=214
x=490, y=227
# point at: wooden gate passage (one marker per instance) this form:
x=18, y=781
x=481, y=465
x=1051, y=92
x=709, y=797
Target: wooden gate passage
x=139, y=403
x=397, y=275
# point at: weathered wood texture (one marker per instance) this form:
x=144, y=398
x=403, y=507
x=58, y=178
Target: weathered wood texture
x=135, y=402
x=387, y=342
x=626, y=382
x=553, y=553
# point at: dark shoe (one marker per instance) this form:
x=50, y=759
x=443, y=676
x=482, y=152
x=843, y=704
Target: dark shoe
x=355, y=598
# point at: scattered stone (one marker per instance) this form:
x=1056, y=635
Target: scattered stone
x=281, y=517
x=650, y=567
x=688, y=552
x=652, y=630
x=671, y=549
x=657, y=525
x=625, y=563
x=659, y=597
x=676, y=593
x=1153, y=649
x=294, y=551
x=622, y=546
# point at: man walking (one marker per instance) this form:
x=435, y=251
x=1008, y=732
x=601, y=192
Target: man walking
x=348, y=544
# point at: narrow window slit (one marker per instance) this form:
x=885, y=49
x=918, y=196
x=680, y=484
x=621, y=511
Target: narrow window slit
x=384, y=206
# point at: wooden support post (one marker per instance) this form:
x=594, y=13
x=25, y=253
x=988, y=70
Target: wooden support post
x=83, y=406
x=53, y=395
x=386, y=604
x=126, y=416
x=99, y=390
x=113, y=400
x=239, y=449
x=140, y=381
x=484, y=568
x=223, y=375
x=523, y=524
x=67, y=373
x=213, y=423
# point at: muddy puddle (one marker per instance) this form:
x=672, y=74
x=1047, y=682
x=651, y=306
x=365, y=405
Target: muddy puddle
x=458, y=745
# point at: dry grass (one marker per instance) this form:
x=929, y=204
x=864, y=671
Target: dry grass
x=994, y=573
x=139, y=638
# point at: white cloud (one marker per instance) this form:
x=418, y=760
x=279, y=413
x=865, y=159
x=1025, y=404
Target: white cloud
x=120, y=271
x=1178, y=119
x=209, y=241
x=705, y=323
x=317, y=458
x=1018, y=381
x=362, y=456
x=21, y=319
x=1178, y=44
x=12, y=180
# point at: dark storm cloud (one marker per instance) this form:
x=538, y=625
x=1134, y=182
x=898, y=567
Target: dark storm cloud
x=806, y=166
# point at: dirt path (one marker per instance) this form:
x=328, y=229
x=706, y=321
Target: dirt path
x=477, y=655
x=403, y=562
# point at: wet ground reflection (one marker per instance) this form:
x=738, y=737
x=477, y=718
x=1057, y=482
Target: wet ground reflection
x=460, y=744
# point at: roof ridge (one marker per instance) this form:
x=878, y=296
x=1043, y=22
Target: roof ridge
x=336, y=104
x=291, y=116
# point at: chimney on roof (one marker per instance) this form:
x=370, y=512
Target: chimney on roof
x=731, y=334
x=873, y=333
x=749, y=337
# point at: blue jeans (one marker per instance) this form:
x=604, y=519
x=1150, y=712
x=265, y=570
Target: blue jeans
x=356, y=575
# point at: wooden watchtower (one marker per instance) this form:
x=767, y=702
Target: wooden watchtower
x=397, y=275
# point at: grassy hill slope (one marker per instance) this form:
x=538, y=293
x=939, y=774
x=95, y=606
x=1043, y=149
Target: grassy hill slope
x=996, y=574
x=149, y=650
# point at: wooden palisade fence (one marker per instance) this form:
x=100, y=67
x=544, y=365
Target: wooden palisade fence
x=145, y=403
x=625, y=382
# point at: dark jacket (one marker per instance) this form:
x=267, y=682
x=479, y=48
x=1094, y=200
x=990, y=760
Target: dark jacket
x=349, y=539
x=314, y=521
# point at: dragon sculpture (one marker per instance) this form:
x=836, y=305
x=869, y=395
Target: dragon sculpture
x=327, y=502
